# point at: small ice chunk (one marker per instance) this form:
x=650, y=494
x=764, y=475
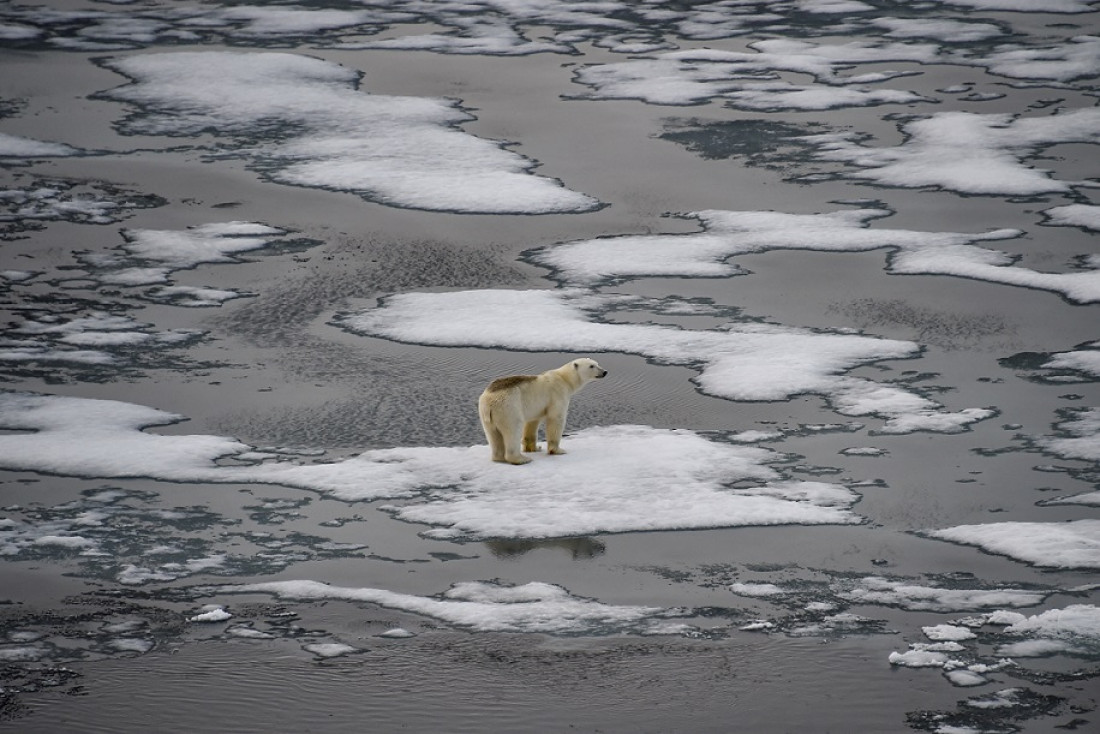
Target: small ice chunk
x=211, y=613
x=948, y=632
x=329, y=649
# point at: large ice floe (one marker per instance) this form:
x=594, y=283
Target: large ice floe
x=615, y=478
x=304, y=121
x=727, y=234
x=740, y=361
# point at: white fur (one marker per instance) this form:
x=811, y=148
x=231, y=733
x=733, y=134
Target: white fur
x=512, y=408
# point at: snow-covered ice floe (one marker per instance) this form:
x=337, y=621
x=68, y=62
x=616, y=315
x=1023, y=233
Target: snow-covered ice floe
x=304, y=121
x=965, y=152
x=740, y=361
x=615, y=478
x=1073, y=544
x=1079, y=434
x=726, y=234
x=491, y=607
x=900, y=593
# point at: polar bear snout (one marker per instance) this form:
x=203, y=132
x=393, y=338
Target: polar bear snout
x=601, y=374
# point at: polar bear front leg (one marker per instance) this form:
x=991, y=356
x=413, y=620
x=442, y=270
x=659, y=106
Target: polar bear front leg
x=530, y=436
x=555, y=424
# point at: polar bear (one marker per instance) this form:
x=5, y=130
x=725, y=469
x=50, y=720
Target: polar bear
x=512, y=408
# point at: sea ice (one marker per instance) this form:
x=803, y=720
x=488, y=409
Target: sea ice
x=1073, y=544
x=489, y=607
x=942, y=632
x=726, y=234
x=1079, y=436
x=304, y=122
x=878, y=590
x=1075, y=622
x=329, y=649
x=211, y=613
x=739, y=361
x=747, y=78
x=965, y=152
x=1086, y=216
x=13, y=146
x=655, y=480
x=645, y=478
x=216, y=242
x=757, y=590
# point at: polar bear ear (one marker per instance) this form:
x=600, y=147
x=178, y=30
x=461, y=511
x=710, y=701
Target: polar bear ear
x=577, y=366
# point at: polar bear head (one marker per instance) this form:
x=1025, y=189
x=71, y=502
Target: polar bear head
x=588, y=369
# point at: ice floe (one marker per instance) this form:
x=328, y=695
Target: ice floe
x=748, y=79
x=882, y=591
x=13, y=146
x=965, y=152
x=1086, y=216
x=1073, y=544
x=611, y=481
x=726, y=234
x=1079, y=436
x=86, y=203
x=491, y=607
x=304, y=121
x=211, y=613
x=94, y=338
x=889, y=592
x=128, y=538
x=739, y=361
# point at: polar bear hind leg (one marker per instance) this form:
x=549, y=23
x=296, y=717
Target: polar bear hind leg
x=530, y=436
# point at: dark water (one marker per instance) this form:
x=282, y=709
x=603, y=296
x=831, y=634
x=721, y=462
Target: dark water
x=101, y=642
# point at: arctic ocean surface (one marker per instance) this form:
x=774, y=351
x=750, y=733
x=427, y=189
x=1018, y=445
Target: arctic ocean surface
x=257, y=262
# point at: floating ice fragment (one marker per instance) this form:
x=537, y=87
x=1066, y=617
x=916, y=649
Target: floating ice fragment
x=397, y=633
x=22, y=654
x=1086, y=216
x=211, y=613
x=965, y=678
x=745, y=78
x=1073, y=544
x=739, y=361
x=879, y=590
x=132, y=644
x=12, y=146
x=304, y=122
x=1083, y=441
x=485, y=607
x=1077, y=622
x=952, y=632
x=757, y=590
x=330, y=649
x=917, y=658
x=966, y=152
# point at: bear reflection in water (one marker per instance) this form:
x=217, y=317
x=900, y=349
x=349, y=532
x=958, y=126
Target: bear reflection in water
x=579, y=548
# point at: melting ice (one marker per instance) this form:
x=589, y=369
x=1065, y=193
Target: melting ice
x=741, y=361
x=303, y=121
